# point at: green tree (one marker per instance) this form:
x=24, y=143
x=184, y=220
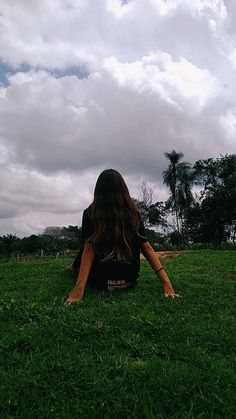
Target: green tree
x=217, y=216
x=54, y=239
x=73, y=234
x=179, y=178
x=153, y=213
x=9, y=244
x=31, y=244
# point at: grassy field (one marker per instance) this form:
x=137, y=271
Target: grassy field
x=130, y=354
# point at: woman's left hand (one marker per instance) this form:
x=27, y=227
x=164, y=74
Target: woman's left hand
x=75, y=296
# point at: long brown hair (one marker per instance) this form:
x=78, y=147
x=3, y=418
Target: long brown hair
x=115, y=217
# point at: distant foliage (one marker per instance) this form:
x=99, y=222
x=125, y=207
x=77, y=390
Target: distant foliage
x=53, y=240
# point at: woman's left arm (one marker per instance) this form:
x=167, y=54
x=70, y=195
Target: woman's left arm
x=153, y=260
x=85, y=267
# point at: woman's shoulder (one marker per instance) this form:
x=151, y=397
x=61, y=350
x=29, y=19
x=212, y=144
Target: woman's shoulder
x=87, y=211
x=86, y=218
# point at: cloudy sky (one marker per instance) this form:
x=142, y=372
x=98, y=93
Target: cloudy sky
x=93, y=84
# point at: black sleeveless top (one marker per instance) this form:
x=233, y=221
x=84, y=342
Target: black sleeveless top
x=102, y=271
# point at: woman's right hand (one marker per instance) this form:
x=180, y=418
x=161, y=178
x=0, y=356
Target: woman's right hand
x=75, y=296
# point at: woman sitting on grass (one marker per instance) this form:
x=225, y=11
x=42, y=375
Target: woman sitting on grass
x=112, y=237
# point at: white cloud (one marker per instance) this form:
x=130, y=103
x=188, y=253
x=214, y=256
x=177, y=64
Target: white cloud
x=72, y=124
x=63, y=33
x=158, y=73
x=32, y=201
x=161, y=76
x=119, y=9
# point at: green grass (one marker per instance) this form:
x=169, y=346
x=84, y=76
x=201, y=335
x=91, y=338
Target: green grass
x=130, y=354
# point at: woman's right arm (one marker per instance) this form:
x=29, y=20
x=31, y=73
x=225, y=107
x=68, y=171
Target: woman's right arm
x=153, y=260
x=85, y=267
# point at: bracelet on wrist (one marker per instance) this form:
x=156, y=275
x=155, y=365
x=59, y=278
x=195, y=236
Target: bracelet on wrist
x=158, y=270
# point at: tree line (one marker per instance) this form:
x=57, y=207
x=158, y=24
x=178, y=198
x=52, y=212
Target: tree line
x=200, y=211
x=52, y=241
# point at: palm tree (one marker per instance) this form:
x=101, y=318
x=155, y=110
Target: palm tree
x=179, y=180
